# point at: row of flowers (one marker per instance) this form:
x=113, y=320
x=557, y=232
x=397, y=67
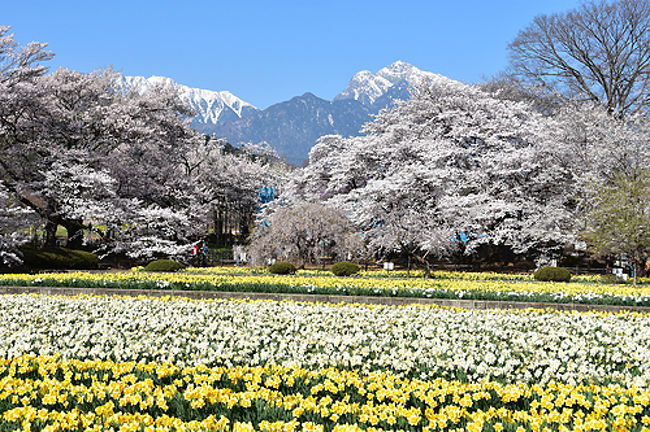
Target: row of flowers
x=425, y=342
x=47, y=393
x=377, y=273
x=372, y=273
x=587, y=293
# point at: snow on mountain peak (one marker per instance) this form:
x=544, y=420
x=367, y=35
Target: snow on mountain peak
x=399, y=71
x=208, y=105
x=399, y=67
x=367, y=87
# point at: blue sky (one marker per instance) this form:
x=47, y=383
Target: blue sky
x=269, y=51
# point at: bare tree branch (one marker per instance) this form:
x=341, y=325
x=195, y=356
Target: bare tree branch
x=599, y=52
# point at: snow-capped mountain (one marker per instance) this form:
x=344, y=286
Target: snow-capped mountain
x=211, y=107
x=292, y=127
x=368, y=87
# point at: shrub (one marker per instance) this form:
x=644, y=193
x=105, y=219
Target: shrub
x=554, y=274
x=611, y=278
x=58, y=259
x=345, y=268
x=164, y=265
x=282, y=267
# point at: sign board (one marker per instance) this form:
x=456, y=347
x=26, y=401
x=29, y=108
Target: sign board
x=389, y=266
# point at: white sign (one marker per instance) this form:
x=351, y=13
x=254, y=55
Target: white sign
x=389, y=266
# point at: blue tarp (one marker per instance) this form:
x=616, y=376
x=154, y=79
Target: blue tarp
x=467, y=236
x=266, y=194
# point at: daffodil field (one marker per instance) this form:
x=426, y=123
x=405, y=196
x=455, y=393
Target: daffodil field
x=378, y=273
x=478, y=286
x=412, y=341
x=145, y=364
x=375, y=273
x=46, y=393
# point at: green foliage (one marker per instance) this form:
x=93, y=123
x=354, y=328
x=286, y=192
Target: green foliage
x=608, y=278
x=164, y=265
x=345, y=268
x=553, y=274
x=611, y=278
x=618, y=221
x=58, y=259
x=282, y=267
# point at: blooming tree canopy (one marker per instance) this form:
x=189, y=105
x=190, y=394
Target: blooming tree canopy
x=451, y=160
x=81, y=152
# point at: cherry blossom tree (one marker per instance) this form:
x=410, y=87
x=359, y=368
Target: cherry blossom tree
x=96, y=152
x=452, y=160
x=304, y=232
x=608, y=158
x=14, y=223
x=81, y=152
x=20, y=104
x=595, y=145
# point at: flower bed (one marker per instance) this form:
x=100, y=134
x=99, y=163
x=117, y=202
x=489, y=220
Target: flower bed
x=46, y=393
x=376, y=273
x=395, y=274
x=531, y=346
x=586, y=293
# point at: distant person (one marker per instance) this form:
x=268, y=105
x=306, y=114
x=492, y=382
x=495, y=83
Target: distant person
x=204, y=254
x=236, y=252
x=195, y=254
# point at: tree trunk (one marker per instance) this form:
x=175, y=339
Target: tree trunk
x=75, y=234
x=50, y=234
x=635, y=269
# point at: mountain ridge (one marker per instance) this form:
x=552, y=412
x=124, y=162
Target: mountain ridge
x=293, y=126
x=209, y=105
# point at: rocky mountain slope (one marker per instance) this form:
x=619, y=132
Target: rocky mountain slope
x=292, y=127
x=211, y=107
